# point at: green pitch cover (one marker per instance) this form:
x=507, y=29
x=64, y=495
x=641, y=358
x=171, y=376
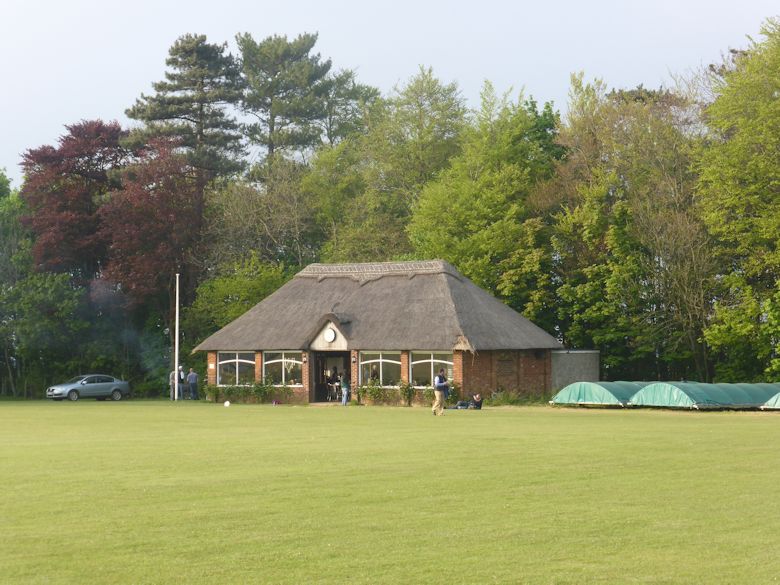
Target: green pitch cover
x=700, y=396
x=597, y=393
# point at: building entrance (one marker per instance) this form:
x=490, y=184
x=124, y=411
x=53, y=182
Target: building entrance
x=329, y=367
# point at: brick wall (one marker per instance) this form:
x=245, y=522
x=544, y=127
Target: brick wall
x=211, y=368
x=307, y=392
x=524, y=372
x=405, y=366
x=354, y=380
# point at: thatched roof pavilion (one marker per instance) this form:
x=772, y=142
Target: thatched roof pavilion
x=401, y=307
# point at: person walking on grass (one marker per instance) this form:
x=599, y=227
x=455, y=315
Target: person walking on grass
x=440, y=391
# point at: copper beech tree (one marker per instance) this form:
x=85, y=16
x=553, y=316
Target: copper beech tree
x=149, y=225
x=64, y=187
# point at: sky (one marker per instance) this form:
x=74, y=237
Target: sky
x=69, y=60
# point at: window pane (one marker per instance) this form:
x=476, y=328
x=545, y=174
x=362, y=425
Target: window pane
x=224, y=356
x=442, y=357
x=369, y=372
x=392, y=355
x=246, y=373
x=391, y=374
x=292, y=373
x=421, y=374
x=226, y=375
x=369, y=355
x=248, y=357
x=270, y=356
x=447, y=368
x=273, y=373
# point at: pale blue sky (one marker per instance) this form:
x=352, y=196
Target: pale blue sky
x=68, y=60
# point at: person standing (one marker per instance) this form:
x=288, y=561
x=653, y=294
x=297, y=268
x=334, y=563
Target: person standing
x=180, y=385
x=344, y=389
x=440, y=391
x=192, y=380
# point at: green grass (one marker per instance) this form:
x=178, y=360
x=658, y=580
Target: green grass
x=154, y=492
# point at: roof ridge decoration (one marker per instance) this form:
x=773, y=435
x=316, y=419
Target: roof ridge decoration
x=370, y=271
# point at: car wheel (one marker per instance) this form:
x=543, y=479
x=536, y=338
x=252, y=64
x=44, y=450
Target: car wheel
x=73, y=395
x=116, y=395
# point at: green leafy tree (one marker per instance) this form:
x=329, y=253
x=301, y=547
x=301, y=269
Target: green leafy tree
x=345, y=103
x=632, y=269
x=43, y=320
x=272, y=218
x=222, y=299
x=740, y=197
x=5, y=184
x=476, y=214
x=364, y=189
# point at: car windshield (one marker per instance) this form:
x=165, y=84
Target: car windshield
x=76, y=379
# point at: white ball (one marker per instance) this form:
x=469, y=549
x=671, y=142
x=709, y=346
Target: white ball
x=227, y=403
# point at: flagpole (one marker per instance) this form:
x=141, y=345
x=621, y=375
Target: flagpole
x=176, y=346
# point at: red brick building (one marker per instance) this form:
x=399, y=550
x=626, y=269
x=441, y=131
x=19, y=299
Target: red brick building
x=392, y=322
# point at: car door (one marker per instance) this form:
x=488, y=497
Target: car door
x=103, y=385
x=90, y=386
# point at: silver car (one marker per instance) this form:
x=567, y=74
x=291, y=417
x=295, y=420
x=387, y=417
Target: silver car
x=97, y=386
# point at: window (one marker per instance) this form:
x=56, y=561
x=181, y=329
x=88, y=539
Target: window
x=383, y=366
x=235, y=368
x=283, y=368
x=424, y=366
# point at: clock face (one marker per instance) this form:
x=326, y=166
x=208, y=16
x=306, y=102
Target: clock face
x=330, y=335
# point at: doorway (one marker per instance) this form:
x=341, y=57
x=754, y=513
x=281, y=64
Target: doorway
x=325, y=364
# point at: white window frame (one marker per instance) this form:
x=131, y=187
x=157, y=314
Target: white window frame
x=379, y=361
x=431, y=361
x=235, y=360
x=285, y=360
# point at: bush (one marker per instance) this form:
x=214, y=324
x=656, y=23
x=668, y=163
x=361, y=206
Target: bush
x=376, y=393
x=407, y=392
x=259, y=392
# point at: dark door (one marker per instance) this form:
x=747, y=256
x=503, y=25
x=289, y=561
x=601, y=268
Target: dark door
x=325, y=364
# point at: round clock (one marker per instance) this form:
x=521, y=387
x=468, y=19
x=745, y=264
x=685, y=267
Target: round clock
x=330, y=335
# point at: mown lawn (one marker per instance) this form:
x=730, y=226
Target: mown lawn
x=154, y=492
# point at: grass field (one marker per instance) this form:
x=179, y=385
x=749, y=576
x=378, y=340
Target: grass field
x=154, y=492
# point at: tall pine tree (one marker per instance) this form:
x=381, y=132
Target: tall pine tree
x=190, y=107
x=285, y=91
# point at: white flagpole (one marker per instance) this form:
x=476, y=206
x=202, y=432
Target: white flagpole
x=176, y=346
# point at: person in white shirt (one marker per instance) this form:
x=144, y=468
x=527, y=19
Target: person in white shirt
x=440, y=391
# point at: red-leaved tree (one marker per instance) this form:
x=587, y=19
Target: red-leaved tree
x=64, y=188
x=149, y=225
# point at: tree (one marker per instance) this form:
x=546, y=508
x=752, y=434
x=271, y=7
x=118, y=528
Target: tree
x=632, y=268
x=475, y=214
x=5, y=184
x=221, y=299
x=345, y=103
x=190, y=108
x=63, y=190
x=148, y=225
x=42, y=321
x=365, y=187
x=285, y=90
x=273, y=219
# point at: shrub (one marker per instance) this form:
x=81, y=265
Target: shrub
x=407, y=392
x=259, y=392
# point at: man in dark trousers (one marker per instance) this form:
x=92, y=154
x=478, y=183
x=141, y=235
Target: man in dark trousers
x=192, y=380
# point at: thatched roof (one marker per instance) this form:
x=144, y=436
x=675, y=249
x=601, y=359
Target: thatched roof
x=424, y=305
